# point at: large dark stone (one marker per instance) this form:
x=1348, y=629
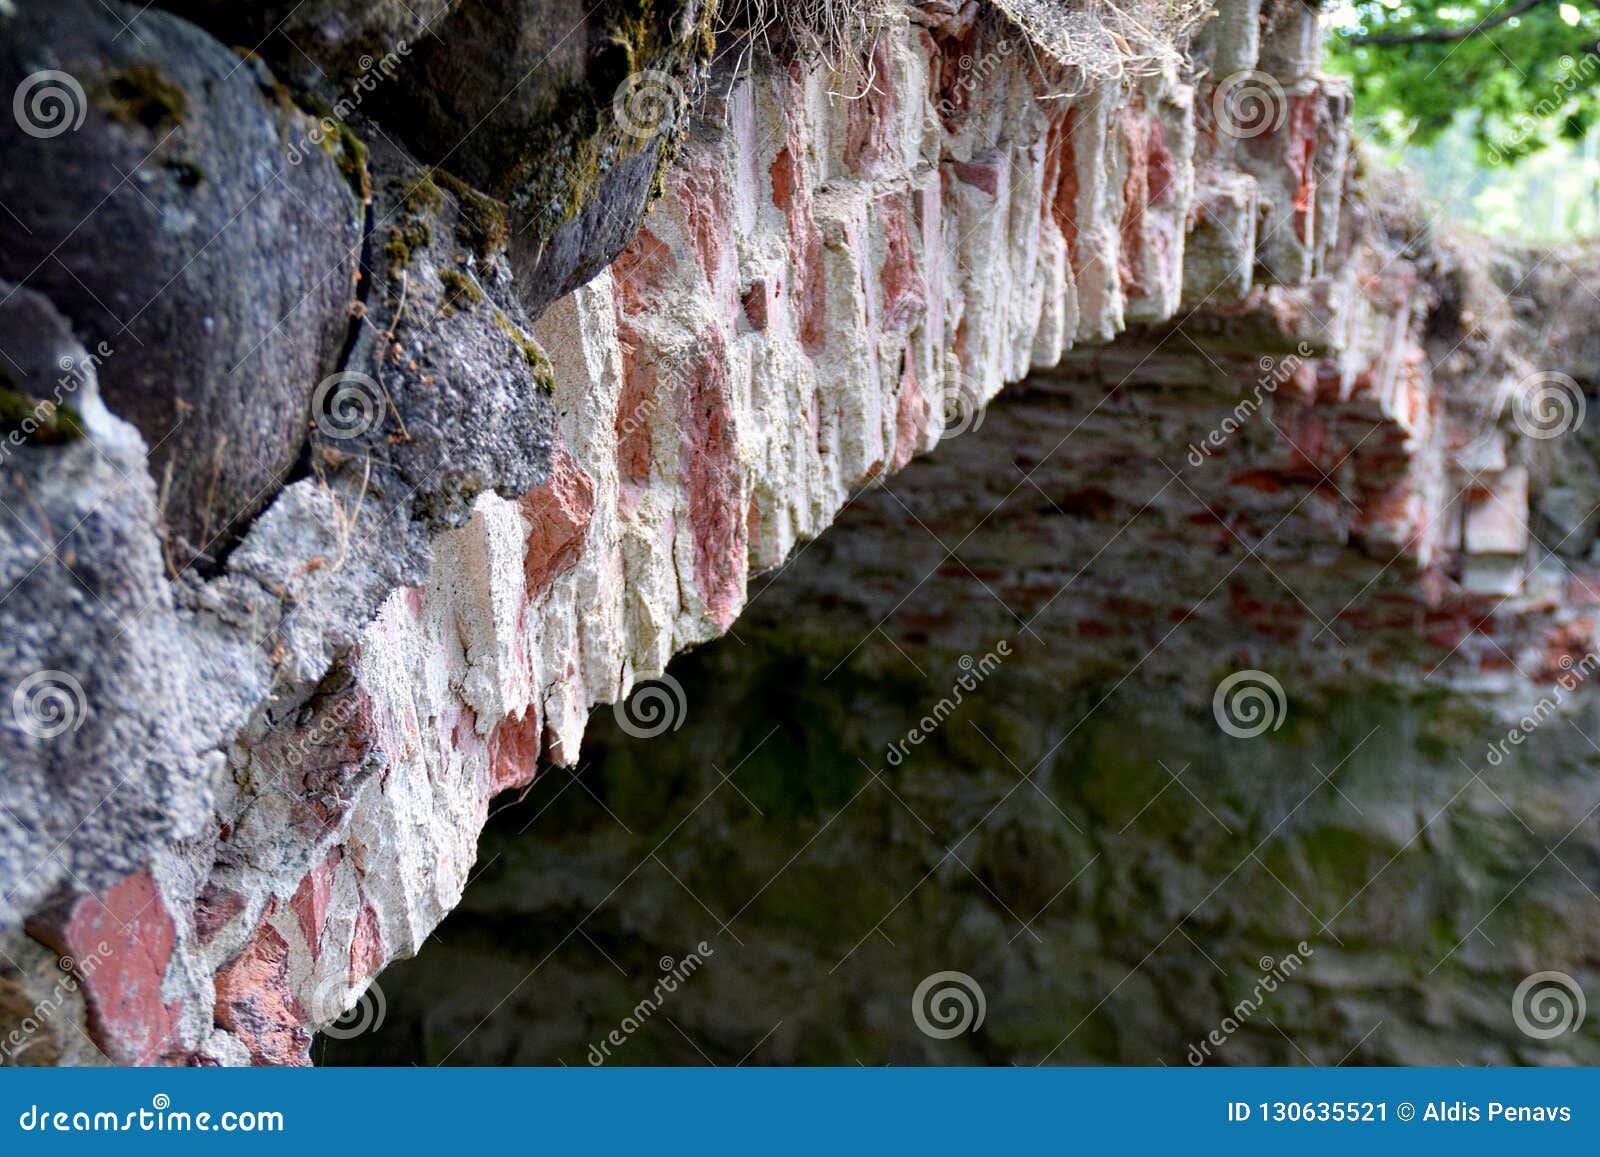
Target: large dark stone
x=318, y=46
x=515, y=96
x=564, y=110
x=181, y=215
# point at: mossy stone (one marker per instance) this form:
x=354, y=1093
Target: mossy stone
x=140, y=94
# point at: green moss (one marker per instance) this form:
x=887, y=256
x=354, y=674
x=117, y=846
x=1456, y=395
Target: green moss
x=351, y=157
x=481, y=223
x=550, y=163
x=459, y=290
x=332, y=135
x=820, y=901
x=530, y=352
x=421, y=196
x=1330, y=865
x=416, y=200
x=633, y=31
x=36, y=420
x=405, y=237
x=1119, y=777
x=139, y=94
x=557, y=163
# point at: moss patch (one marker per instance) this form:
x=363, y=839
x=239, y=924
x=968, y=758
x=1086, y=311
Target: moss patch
x=139, y=94
x=530, y=352
x=417, y=200
x=403, y=238
x=37, y=420
x=420, y=196
x=351, y=157
x=459, y=290
x=481, y=223
x=330, y=133
x=558, y=160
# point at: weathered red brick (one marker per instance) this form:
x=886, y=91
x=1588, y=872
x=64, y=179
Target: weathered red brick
x=254, y=1002
x=120, y=943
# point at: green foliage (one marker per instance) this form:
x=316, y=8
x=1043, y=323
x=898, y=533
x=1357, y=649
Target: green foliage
x=1528, y=70
x=1551, y=196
